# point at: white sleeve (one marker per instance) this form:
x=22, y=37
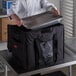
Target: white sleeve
x=13, y=6
x=47, y=4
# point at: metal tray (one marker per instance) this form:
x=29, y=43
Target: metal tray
x=41, y=20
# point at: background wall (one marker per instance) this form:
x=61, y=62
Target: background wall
x=0, y=3
x=74, y=17
x=56, y=2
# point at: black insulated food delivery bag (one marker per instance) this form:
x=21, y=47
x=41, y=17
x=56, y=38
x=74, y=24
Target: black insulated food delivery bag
x=47, y=44
x=38, y=43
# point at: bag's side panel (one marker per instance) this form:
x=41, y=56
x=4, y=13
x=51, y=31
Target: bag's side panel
x=60, y=41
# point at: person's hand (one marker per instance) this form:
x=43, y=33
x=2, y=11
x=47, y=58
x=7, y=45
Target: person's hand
x=17, y=20
x=55, y=12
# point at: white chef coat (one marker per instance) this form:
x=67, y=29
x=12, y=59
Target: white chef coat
x=26, y=8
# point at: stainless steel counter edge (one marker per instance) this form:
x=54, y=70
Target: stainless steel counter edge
x=3, y=46
x=2, y=16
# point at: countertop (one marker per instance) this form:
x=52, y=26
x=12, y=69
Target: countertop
x=3, y=46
